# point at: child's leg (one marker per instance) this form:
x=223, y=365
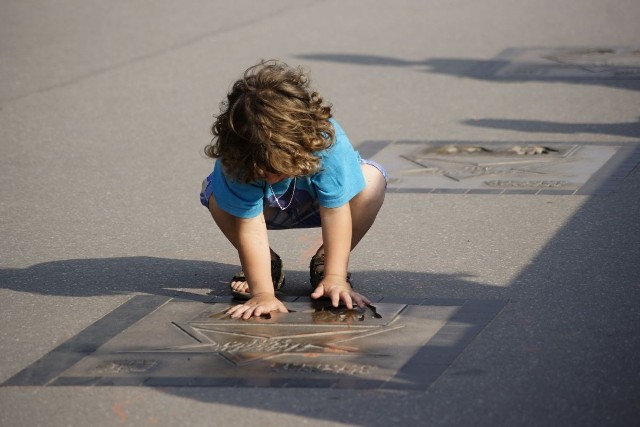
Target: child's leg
x=366, y=205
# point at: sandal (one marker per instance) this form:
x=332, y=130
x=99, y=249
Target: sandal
x=277, y=276
x=317, y=276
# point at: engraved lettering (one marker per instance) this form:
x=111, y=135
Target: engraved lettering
x=124, y=366
x=331, y=368
x=261, y=346
x=526, y=184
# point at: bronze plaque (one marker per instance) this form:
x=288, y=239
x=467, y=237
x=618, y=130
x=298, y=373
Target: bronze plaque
x=476, y=167
x=186, y=343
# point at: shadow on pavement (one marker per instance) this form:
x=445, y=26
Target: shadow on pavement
x=161, y=276
x=462, y=67
x=627, y=129
x=113, y=276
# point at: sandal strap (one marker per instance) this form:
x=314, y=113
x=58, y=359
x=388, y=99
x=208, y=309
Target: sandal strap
x=277, y=277
x=277, y=272
x=316, y=276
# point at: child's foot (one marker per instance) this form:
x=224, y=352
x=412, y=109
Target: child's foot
x=240, y=288
x=316, y=269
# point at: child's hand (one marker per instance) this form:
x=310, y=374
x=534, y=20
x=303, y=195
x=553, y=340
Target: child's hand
x=338, y=289
x=258, y=305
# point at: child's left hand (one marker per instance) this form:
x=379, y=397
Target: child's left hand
x=338, y=289
x=256, y=306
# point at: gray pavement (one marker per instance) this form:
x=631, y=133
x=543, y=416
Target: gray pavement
x=105, y=108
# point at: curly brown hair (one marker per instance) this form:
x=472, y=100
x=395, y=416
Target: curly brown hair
x=271, y=122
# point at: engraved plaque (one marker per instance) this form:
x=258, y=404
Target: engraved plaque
x=185, y=343
x=502, y=167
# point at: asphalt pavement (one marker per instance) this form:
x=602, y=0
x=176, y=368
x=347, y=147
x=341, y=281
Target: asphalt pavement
x=105, y=108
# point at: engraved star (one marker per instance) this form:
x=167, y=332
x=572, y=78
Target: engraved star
x=279, y=334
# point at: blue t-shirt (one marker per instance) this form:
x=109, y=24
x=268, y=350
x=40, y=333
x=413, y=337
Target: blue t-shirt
x=339, y=179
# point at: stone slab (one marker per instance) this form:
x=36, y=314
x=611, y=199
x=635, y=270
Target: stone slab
x=491, y=168
x=177, y=342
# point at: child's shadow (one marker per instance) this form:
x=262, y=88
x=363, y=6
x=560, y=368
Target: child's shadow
x=116, y=276
x=191, y=279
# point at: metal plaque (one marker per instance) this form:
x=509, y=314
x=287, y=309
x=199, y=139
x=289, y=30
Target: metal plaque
x=185, y=343
x=461, y=167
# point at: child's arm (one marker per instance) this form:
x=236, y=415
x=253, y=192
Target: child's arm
x=336, y=237
x=255, y=257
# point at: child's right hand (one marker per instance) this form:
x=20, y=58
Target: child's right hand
x=256, y=306
x=339, y=290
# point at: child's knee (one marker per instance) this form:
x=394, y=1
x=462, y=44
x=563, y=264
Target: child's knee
x=375, y=180
x=371, y=198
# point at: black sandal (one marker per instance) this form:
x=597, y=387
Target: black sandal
x=277, y=276
x=317, y=276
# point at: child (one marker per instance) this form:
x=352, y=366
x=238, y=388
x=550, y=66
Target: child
x=283, y=162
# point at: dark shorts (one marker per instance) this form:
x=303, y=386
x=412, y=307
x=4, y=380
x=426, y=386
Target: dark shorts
x=304, y=215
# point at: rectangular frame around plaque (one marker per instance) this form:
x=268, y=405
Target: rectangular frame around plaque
x=346, y=354
x=579, y=169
